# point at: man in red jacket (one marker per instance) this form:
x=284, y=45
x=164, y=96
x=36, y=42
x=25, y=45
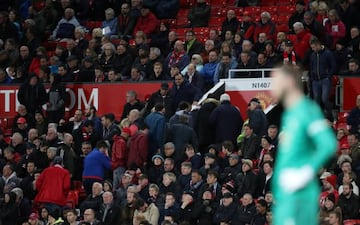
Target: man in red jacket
x=266, y=26
x=301, y=40
x=53, y=186
x=147, y=22
x=119, y=155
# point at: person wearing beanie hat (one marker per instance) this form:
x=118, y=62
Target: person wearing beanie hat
x=246, y=180
x=329, y=206
x=228, y=187
x=54, y=218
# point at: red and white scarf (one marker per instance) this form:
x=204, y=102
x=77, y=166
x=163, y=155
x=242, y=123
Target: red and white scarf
x=287, y=59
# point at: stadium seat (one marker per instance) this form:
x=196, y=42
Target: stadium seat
x=285, y=10
x=283, y=19
x=351, y=222
x=271, y=9
x=268, y=2
x=218, y=12
x=285, y=2
x=218, y=3
x=253, y=10
x=184, y=3
x=170, y=22
x=215, y=22
x=92, y=24
x=282, y=27
x=201, y=31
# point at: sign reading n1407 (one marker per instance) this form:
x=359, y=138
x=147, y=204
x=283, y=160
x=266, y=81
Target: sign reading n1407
x=260, y=85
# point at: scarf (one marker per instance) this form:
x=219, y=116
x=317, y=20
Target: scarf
x=287, y=59
x=175, y=58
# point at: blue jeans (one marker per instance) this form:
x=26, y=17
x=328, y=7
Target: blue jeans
x=321, y=92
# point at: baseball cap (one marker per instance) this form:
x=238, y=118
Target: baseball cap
x=21, y=120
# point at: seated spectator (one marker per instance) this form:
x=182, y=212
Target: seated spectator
x=348, y=178
x=209, y=69
x=8, y=29
x=132, y=102
x=222, y=69
x=298, y=15
x=247, y=46
x=122, y=61
x=322, y=12
x=149, y=211
x=329, y=206
x=271, y=54
x=178, y=56
x=197, y=61
x=158, y=72
x=160, y=37
x=226, y=210
x=147, y=22
x=260, y=44
x=353, y=68
x=169, y=46
x=349, y=203
x=280, y=37
x=215, y=37
x=66, y=26
x=354, y=117
x=192, y=45
x=354, y=42
x=165, y=9
x=244, y=63
x=199, y=15
x=107, y=58
x=342, y=56
x=93, y=200
x=265, y=26
x=155, y=56
x=301, y=40
x=334, y=28
x=289, y=56
x=237, y=43
x=246, y=211
x=263, y=63
x=230, y=23
x=110, y=24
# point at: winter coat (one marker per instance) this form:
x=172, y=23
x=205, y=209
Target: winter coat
x=322, y=65
x=53, y=185
x=166, y=100
x=157, y=127
x=336, y=31
x=96, y=164
x=33, y=97
x=227, y=122
x=225, y=213
x=199, y=15
x=147, y=24
x=138, y=149
x=119, y=152
x=185, y=92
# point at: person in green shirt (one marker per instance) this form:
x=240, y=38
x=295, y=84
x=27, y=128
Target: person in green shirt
x=306, y=144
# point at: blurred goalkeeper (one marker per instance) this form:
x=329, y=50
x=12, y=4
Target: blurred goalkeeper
x=306, y=143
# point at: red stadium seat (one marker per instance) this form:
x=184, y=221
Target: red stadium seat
x=285, y=2
x=215, y=22
x=282, y=27
x=218, y=12
x=351, y=222
x=170, y=22
x=271, y=9
x=285, y=10
x=253, y=10
x=268, y=2
x=92, y=24
x=201, y=31
x=283, y=18
x=218, y=3
x=184, y=3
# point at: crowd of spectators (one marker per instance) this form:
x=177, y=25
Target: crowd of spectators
x=167, y=160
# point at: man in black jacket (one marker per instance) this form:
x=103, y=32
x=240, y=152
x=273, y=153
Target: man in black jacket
x=349, y=203
x=246, y=211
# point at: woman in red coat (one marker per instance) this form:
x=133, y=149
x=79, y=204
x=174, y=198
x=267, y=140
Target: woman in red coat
x=335, y=28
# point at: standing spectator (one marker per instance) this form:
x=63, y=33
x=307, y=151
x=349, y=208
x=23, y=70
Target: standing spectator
x=138, y=148
x=298, y=15
x=161, y=96
x=250, y=146
x=132, y=102
x=96, y=163
x=231, y=23
x=199, y=15
x=157, y=127
x=193, y=77
x=32, y=94
x=182, y=90
x=180, y=134
x=119, y=155
x=56, y=101
x=315, y=27
x=354, y=117
x=322, y=68
x=257, y=117
x=335, y=28
x=53, y=185
x=349, y=203
x=126, y=21
x=110, y=24
x=301, y=40
x=147, y=22
x=226, y=120
x=66, y=26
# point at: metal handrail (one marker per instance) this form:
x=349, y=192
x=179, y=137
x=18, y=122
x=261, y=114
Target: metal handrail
x=263, y=70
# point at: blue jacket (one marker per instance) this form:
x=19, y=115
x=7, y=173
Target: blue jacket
x=95, y=165
x=322, y=65
x=208, y=71
x=156, y=123
x=112, y=24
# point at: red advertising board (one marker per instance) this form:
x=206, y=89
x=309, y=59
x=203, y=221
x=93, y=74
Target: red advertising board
x=105, y=97
x=350, y=89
